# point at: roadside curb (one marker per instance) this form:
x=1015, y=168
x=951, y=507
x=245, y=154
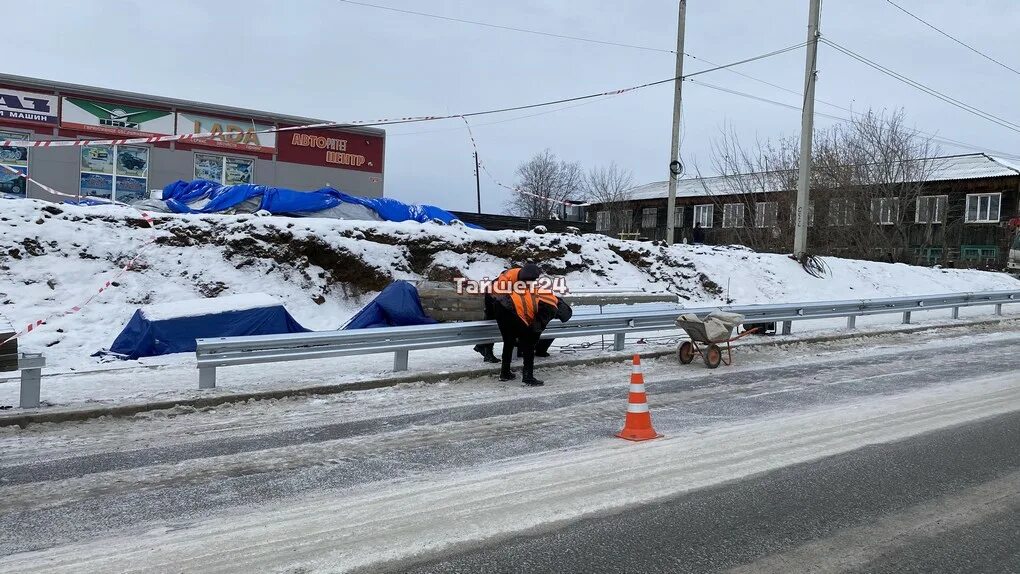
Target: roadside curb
x=58, y=415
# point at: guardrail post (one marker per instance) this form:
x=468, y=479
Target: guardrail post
x=906, y=317
x=998, y=309
x=31, y=365
x=400, y=360
x=787, y=327
x=956, y=312
x=618, y=341
x=207, y=377
x=851, y=322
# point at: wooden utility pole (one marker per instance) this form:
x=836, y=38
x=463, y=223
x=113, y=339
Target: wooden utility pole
x=675, y=167
x=807, y=120
x=478, y=185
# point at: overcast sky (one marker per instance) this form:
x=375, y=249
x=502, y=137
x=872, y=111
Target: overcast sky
x=336, y=61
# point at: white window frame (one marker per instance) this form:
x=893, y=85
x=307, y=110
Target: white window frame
x=678, y=216
x=941, y=206
x=844, y=211
x=602, y=221
x=649, y=217
x=761, y=213
x=704, y=214
x=626, y=219
x=978, y=197
x=223, y=165
x=885, y=214
x=115, y=150
x=733, y=215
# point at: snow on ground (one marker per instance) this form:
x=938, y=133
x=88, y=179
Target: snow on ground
x=55, y=256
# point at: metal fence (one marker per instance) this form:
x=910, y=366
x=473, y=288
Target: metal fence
x=227, y=351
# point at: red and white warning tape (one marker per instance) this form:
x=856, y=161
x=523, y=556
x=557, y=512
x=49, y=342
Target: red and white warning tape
x=34, y=325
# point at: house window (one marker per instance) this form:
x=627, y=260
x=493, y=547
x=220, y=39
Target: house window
x=810, y=213
x=602, y=221
x=983, y=207
x=885, y=210
x=704, y=214
x=766, y=214
x=733, y=215
x=649, y=217
x=678, y=217
x=224, y=169
x=841, y=212
x=117, y=172
x=14, y=160
x=626, y=219
x=931, y=209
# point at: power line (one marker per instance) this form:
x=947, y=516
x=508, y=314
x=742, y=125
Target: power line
x=947, y=35
x=926, y=89
x=511, y=28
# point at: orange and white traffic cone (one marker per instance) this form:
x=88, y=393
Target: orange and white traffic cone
x=639, y=421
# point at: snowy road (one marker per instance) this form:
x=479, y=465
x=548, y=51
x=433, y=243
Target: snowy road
x=398, y=476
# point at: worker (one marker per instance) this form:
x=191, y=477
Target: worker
x=563, y=313
x=502, y=285
x=522, y=315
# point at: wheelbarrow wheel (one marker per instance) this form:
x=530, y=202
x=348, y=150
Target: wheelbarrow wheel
x=713, y=356
x=685, y=352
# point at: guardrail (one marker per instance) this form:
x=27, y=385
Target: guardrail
x=228, y=351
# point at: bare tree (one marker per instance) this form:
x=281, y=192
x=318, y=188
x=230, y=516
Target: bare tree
x=543, y=184
x=867, y=178
x=610, y=187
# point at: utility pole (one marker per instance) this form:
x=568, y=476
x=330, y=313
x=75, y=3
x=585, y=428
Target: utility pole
x=807, y=120
x=675, y=167
x=478, y=185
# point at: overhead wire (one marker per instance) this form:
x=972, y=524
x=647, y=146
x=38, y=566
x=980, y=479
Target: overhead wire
x=953, y=38
x=924, y=88
x=510, y=28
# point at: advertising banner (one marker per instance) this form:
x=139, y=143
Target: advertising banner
x=13, y=183
x=130, y=188
x=28, y=107
x=96, y=184
x=115, y=119
x=332, y=148
x=228, y=134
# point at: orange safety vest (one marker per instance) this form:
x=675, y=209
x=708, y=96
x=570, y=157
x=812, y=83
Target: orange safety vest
x=526, y=304
x=503, y=284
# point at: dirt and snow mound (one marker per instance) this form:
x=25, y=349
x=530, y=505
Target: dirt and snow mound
x=54, y=256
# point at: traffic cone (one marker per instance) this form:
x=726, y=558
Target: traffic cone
x=639, y=421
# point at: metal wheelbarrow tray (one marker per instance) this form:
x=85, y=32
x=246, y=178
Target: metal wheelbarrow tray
x=710, y=331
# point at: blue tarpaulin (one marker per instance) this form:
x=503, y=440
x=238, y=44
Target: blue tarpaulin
x=147, y=336
x=279, y=201
x=397, y=305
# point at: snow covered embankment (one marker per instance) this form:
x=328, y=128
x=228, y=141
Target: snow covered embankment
x=54, y=256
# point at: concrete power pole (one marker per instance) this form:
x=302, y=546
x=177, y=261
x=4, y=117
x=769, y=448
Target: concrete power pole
x=478, y=185
x=807, y=120
x=675, y=167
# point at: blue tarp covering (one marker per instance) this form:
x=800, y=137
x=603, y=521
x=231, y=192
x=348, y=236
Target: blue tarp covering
x=397, y=305
x=146, y=338
x=280, y=201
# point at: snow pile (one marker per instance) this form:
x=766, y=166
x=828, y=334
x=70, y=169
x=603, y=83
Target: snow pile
x=52, y=257
x=196, y=307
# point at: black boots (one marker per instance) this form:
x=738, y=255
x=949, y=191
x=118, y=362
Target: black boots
x=486, y=352
x=507, y=376
x=528, y=377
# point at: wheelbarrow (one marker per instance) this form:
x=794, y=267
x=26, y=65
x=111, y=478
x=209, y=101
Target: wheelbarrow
x=706, y=335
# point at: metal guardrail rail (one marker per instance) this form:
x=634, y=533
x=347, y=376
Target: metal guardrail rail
x=228, y=351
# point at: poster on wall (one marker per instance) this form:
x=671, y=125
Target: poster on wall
x=209, y=167
x=97, y=185
x=130, y=188
x=238, y=170
x=114, y=119
x=13, y=183
x=97, y=159
x=28, y=107
x=227, y=134
x=132, y=161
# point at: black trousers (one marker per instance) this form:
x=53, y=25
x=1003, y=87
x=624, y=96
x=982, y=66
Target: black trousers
x=490, y=306
x=516, y=333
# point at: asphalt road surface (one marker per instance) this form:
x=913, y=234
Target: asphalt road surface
x=885, y=455
x=944, y=501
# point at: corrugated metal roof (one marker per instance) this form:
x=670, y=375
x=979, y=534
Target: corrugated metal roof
x=946, y=168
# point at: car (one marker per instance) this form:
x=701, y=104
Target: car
x=132, y=162
x=12, y=185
